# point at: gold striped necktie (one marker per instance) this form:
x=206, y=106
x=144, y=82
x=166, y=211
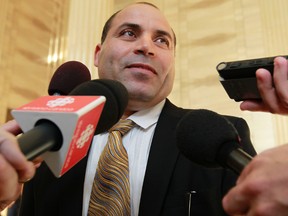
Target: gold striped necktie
x=111, y=187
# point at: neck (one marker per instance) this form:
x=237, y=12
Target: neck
x=127, y=113
x=135, y=107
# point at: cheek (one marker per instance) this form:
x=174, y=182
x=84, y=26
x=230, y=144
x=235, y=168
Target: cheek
x=114, y=50
x=106, y=61
x=168, y=68
x=169, y=76
x=169, y=81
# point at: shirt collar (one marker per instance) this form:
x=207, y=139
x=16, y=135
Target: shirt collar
x=146, y=118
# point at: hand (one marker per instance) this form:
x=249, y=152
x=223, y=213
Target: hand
x=274, y=92
x=14, y=168
x=262, y=187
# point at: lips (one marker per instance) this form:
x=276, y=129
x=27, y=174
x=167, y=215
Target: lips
x=142, y=66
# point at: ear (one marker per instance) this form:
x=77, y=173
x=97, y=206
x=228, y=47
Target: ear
x=96, y=54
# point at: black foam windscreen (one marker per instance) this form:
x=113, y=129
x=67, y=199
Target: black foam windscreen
x=67, y=76
x=119, y=91
x=206, y=137
x=116, y=100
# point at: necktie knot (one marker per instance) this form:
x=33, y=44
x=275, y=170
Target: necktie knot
x=123, y=126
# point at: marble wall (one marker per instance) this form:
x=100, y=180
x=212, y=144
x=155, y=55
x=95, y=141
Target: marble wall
x=30, y=31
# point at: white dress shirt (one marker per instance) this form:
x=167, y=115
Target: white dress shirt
x=137, y=143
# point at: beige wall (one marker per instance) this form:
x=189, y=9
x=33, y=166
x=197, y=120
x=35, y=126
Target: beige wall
x=29, y=32
x=208, y=32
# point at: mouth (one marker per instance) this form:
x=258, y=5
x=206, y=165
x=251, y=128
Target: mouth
x=142, y=66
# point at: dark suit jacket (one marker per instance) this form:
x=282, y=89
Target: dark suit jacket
x=169, y=176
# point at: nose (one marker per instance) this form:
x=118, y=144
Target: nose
x=144, y=46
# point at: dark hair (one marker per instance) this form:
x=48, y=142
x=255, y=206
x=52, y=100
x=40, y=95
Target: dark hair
x=108, y=23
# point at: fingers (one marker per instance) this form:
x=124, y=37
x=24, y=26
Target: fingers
x=14, y=168
x=37, y=161
x=273, y=90
x=267, y=90
x=261, y=188
x=12, y=127
x=10, y=150
x=281, y=80
x=236, y=201
x=235, y=204
x=253, y=105
x=10, y=188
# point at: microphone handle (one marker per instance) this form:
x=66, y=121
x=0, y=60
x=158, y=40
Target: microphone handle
x=237, y=160
x=45, y=136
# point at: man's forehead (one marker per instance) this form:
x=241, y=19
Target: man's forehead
x=140, y=14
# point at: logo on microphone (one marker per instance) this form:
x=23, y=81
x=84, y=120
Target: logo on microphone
x=85, y=135
x=60, y=102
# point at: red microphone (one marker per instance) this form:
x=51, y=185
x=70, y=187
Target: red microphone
x=62, y=127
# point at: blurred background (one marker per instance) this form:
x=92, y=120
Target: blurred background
x=36, y=36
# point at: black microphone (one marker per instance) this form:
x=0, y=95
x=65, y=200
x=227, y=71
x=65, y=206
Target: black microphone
x=53, y=133
x=117, y=100
x=209, y=139
x=68, y=76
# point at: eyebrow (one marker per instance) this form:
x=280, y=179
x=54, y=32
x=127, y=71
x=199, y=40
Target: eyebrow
x=129, y=25
x=138, y=27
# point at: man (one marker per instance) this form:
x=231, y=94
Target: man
x=262, y=188
x=138, y=49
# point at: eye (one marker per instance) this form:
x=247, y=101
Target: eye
x=128, y=33
x=163, y=41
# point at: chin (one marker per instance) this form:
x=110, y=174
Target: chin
x=139, y=97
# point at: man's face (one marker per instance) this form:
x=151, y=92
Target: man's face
x=139, y=52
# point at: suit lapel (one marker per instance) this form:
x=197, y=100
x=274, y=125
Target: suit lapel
x=161, y=161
